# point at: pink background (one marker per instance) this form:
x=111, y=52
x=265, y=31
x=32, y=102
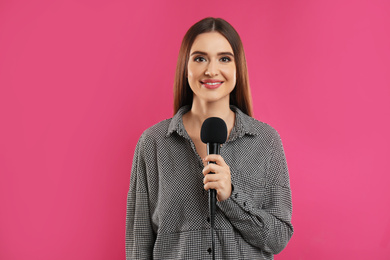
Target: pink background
x=81, y=80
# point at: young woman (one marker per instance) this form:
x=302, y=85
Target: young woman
x=167, y=205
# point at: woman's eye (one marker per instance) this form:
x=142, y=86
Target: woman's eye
x=225, y=59
x=199, y=59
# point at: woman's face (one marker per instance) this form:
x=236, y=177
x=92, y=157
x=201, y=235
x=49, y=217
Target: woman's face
x=211, y=68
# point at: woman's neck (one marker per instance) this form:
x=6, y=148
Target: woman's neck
x=200, y=111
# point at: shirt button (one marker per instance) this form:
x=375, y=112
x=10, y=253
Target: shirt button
x=244, y=204
x=209, y=250
x=236, y=195
x=208, y=219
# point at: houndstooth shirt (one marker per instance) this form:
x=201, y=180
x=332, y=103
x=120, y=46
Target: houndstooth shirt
x=167, y=207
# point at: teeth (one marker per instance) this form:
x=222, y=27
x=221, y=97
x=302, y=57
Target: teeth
x=216, y=83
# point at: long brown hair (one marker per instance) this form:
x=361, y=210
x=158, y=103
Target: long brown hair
x=240, y=96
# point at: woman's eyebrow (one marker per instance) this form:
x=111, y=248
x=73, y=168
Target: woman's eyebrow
x=198, y=52
x=204, y=53
x=226, y=53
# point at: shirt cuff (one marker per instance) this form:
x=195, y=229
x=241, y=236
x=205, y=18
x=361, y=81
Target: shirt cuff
x=234, y=206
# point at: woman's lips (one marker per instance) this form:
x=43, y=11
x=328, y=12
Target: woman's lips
x=211, y=84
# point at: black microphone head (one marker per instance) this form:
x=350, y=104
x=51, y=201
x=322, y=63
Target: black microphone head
x=213, y=130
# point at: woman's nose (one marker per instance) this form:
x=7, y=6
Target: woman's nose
x=212, y=69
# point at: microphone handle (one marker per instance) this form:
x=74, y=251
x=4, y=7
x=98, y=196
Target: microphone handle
x=212, y=148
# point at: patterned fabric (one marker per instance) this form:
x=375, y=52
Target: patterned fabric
x=167, y=207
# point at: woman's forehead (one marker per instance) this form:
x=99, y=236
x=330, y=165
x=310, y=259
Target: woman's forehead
x=211, y=43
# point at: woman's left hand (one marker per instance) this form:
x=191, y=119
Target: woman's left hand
x=221, y=180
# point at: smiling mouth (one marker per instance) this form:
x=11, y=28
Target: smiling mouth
x=211, y=85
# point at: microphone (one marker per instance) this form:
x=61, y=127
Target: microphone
x=213, y=133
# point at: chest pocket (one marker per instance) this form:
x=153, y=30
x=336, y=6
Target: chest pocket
x=251, y=180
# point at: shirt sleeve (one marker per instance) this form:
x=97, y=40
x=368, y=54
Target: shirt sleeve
x=267, y=227
x=139, y=232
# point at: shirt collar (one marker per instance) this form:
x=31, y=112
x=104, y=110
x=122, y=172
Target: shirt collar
x=176, y=124
x=243, y=125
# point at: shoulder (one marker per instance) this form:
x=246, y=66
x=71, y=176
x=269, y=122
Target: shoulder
x=167, y=126
x=149, y=139
x=158, y=130
x=155, y=132
x=266, y=135
x=264, y=129
x=257, y=128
